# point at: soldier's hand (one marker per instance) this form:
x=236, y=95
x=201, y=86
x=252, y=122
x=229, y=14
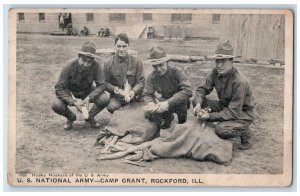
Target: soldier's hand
x=197, y=109
x=151, y=107
x=203, y=115
x=116, y=90
x=162, y=106
x=128, y=96
x=121, y=92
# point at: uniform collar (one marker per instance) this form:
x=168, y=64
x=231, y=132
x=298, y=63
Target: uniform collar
x=121, y=60
x=228, y=74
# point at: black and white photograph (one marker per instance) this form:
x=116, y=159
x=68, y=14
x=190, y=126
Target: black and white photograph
x=150, y=97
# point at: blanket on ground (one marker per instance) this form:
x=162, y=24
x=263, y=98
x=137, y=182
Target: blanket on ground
x=142, y=139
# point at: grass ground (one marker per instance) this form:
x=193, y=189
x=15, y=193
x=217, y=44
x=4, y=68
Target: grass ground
x=43, y=145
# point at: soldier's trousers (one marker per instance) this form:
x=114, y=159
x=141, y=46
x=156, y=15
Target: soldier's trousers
x=230, y=128
x=60, y=107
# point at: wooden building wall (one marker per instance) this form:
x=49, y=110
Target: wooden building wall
x=256, y=36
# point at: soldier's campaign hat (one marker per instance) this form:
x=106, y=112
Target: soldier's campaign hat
x=224, y=51
x=157, y=56
x=88, y=49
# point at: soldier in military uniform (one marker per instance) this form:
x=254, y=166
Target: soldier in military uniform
x=76, y=79
x=123, y=72
x=235, y=108
x=173, y=86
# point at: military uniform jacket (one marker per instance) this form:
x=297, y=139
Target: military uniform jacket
x=117, y=70
x=174, y=86
x=234, y=93
x=79, y=81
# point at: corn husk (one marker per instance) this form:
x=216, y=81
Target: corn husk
x=127, y=89
x=85, y=112
x=123, y=153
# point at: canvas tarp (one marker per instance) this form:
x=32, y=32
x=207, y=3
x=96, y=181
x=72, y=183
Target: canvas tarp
x=142, y=138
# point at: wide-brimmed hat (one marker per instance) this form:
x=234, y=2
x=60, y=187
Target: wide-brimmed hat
x=157, y=56
x=88, y=49
x=224, y=51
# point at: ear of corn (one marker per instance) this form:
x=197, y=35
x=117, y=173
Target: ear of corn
x=127, y=89
x=84, y=109
x=85, y=112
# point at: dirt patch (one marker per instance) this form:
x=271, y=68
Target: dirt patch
x=44, y=146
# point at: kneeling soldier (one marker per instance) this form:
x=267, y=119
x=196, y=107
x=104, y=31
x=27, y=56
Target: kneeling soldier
x=124, y=75
x=76, y=81
x=234, y=109
x=174, y=87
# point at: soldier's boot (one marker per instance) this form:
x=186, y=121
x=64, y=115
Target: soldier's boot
x=70, y=119
x=93, y=122
x=92, y=113
x=245, y=144
x=167, y=121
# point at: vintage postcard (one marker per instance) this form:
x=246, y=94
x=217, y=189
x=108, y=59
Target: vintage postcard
x=150, y=97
